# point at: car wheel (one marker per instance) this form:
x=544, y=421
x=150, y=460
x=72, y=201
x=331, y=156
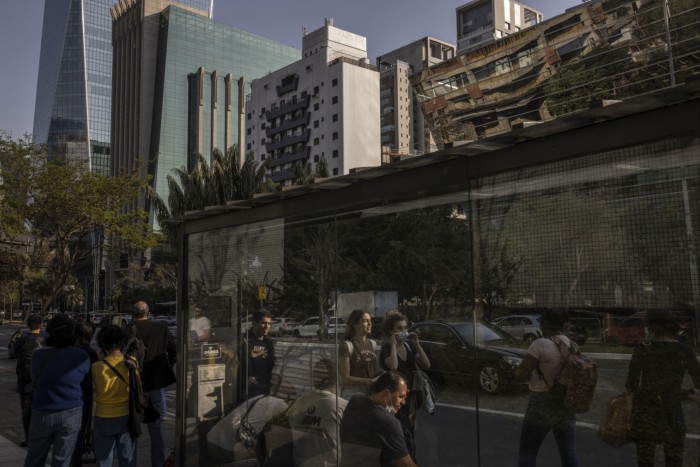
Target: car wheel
x=529, y=338
x=490, y=379
x=297, y=334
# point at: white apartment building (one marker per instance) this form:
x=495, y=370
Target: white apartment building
x=482, y=21
x=326, y=105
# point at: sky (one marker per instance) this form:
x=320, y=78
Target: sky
x=387, y=25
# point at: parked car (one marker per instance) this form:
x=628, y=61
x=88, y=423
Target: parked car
x=632, y=330
x=456, y=355
x=283, y=326
x=308, y=328
x=336, y=327
x=525, y=327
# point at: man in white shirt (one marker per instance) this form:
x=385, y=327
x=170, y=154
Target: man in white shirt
x=200, y=327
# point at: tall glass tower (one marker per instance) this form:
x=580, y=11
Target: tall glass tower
x=74, y=89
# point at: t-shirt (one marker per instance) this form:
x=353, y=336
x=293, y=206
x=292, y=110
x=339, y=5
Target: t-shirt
x=363, y=360
x=370, y=435
x=314, y=419
x=551, y=359
x=261, y=358
x=111, y=393
x=200, y=325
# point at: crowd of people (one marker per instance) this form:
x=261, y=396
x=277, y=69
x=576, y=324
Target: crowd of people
x=366, y=417
x=61, y=378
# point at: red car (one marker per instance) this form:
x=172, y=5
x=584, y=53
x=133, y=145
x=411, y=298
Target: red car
x=632, y=329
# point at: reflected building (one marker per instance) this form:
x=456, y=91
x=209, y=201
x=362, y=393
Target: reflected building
x=74, y=89
x=404, y=132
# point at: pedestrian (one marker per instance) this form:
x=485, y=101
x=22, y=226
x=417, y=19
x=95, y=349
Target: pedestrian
x=545, y=411
x=655, y=378
x=59, y=371
x=357, y=354
x=110, y=377
x=156, y=372
x=200, y=326
x=258, y=358
x=370, y=434
x=24, y=348
x=83, y=444
x=402, y=352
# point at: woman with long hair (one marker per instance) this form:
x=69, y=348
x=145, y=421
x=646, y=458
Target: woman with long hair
x=357, y=355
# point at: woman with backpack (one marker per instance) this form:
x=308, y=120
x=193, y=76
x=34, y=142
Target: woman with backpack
x=546, y=411
x=655, y=378
x=110, y=378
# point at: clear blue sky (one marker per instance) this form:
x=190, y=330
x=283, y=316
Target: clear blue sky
x=387, y=25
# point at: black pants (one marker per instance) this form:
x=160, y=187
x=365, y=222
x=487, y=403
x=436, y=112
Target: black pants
x=25, y=400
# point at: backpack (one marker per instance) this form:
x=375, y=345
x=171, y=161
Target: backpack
x=575, y=383
x=24, y=359
x=134, y=345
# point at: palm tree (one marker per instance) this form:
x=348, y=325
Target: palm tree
x=303, y=174
x=224, y=179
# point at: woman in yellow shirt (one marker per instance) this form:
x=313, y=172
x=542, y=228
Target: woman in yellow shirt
x=110, y=378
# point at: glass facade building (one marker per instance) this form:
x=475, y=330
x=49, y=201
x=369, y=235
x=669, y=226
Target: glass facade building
x=588, y=219
x=73, y=97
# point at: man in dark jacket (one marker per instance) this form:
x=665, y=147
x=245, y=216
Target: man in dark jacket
x=24, y=349
x=257, y=358
x=156, y=372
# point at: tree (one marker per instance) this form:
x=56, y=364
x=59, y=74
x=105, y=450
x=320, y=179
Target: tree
x=303, y=174
x=206, y=185
x=57, y=204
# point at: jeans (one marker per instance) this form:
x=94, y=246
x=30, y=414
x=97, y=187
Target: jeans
x=58, y=429
x=111, y=432
x=545, y=413
x=154, y=430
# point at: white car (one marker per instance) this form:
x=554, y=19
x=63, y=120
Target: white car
x=525, y=327
x=283, y=326
x=308, y=328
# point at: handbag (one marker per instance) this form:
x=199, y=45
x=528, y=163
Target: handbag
x=424, y=391
x=616, y=428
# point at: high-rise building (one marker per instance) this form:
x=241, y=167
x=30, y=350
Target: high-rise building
x=74, y=88
x=403, y=128
x=179, y=85
x=482, y=21
x=324, y=106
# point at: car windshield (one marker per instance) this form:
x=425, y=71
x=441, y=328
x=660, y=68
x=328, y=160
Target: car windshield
x=484, y=333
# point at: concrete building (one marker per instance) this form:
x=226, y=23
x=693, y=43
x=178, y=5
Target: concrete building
x=403, y=128
x=482, y=21
x=74, y=90
x=324, y=106
x=179, y=81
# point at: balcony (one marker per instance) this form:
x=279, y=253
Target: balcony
x=289, y=141
x=289, y=83
x=281, y=175
x=560, y=67
x=270, y=131
x=289, y=158
x=288, y=107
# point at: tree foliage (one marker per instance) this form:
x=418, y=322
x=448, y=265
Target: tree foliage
x=56, y=205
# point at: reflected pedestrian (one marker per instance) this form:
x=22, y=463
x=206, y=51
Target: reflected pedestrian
x=655, y=378
x=357, y=354
x=545, y=411
x=83, y=332
x=24, y=348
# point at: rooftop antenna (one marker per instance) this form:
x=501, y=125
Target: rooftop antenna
x=303, y=31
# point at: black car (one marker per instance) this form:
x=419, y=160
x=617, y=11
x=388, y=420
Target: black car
x=465, y=351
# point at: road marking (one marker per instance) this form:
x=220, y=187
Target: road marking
x=591, y=426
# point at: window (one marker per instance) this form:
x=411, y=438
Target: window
x=262, y=142
x=248, y=131
x=335, y=171
x=335, y=153
x=335, y=100
x=316, y=107
x=248, y=146
x=249, y=116
x=315, y=89
x=262, y=126
x=316, y=158
x=334, y=82
x=335, y=117
x=335, y=135
x=316, y=123
x=316, y=142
